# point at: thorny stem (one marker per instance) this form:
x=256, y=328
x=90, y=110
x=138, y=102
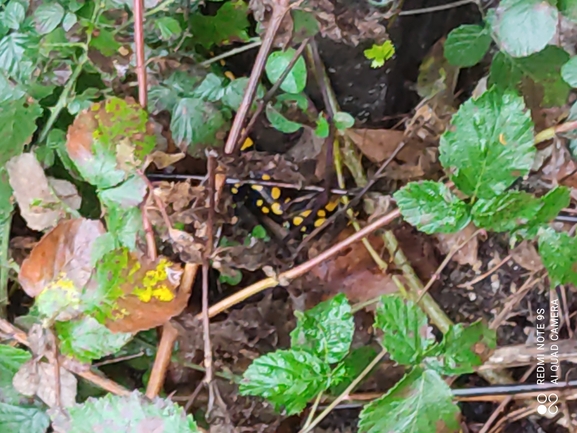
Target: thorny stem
x=346, y=392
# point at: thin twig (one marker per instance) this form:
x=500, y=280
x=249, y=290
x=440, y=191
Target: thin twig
x=231, y=53
x=515, y=299
x=119, y=359
x=4, y=270
x=157, y=201
x=139, y=47
x=486, y=274
x=437, y=8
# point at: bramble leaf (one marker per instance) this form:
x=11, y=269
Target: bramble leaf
x=12, y=49
x=552, y=203
x=407, y=335
x=325, y=330
x=11, y=359
x=14, y=14
x=279, y=122
x=210, y=89
x=524, y=27
x=289, y=378
x=559, y=254
x=278, y=61
x=568, y=8
x=169, y=28
x=16, y=128
x=128, y=194
x=432, y=207
x=490, y=144
x=86, y=340
x=47, y=17
x=467, y=45
x=121, y=414
x=379, y=54
x=230, y=24
x=421, y=402
x=20, y=419
x=506, y=211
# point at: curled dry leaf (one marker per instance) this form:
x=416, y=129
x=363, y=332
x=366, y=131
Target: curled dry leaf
x=467, y=255
x=38, y=378
x=42, y=201
x=62, y=257
x=525, y=255
x=150, y=295
x=162, y=159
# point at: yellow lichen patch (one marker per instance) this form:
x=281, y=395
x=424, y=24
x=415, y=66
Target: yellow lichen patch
x=152, y=287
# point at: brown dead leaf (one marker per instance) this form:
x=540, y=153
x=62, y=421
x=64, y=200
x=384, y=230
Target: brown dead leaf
x=151, y=296
x=526, y=256
x=40, y=198
x=162, y=160
x=467, y=255
x=376, y=144
x=38, y=378
x=63, y=254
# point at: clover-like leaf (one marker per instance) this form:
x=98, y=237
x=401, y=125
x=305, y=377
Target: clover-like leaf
x=325, y=330
x=524, y=27
x=467, y=45
x=379, y=54
x=432, y=207
x=407, y=335
x=490, y=144
x=133, y=412
x=506, y=211
x=278, y=61
x=421, y=402
x=286, y=378
x=559, y=254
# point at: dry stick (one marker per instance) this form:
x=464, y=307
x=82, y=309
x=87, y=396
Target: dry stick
x=285, y=277
x=513, y=416
x=279, y=9
x=486, y=274
x=445, y=262
x=530, y=282
x=71, y=365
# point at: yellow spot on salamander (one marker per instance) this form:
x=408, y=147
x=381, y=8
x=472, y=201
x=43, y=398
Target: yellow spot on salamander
x=234, y=190
x=303, y=229
x=320, y=222
x=229, y=75
x=258, y=188
x=265, y=210
x=321, y=213
x=306, y=213
x=297, y=221
x=276, y=209
x=275, y=193
x=259, y=202
x=265, y=177
x=247, y=143
x=332, y=205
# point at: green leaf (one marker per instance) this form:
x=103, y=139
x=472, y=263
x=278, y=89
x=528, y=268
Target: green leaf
x=9, y=91
x=305, y=25
x=86, y=340
x=128, y=194
x=461, y=347
x=6, y=204
x=569, y=72
x=379, y=54
x=421, y=402
x=524, y=27
x=343, y=120
x=105, y=42
x=16, y=128
x=279, y=122
x=490, y=144
x=19, y=419
x=11, y=359
x=234, y=92
x=12, y=49
x=259, y=232
x=541, y=70
x=407, y=335
x=323, y=128
x=467, y=45
x=125, y=225
x=14, y=14
x=432, y=207
x=351, y=367
x=568, y=8
x=325, y=330
x=169, y=28
x=230, y=24
x=278, y=61
x=288, y=378
x=559, y=254
x=82, y=101
x=102, y=172
x=505, y=212
x=210, y=89
x=552, y=203
x=47, y=17
x=231, y=280
x=197, y=122
x=69, y=20
x=129, y=413
x=102, y=245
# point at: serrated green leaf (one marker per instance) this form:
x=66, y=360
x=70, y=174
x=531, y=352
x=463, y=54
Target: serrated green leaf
x=210, y=89
x=9, y=91
x=552, y=203
x=421, y=402
x=505, y=212
x=196, y=122
x=12, y=49
x=128, y=194
x=69, y=20
x=379, y=54
x=47, y=17
x=82, y=101
x=102, y=172
x=105, y=42
x=169, y=28
x=325, y=330
x=11, y=359
x=569, y=72
x=407, y=335
x=323, y=128
x=230, y=24
x=286, y=378
x=432, y=207
x=19, y=419
x=102, y=245
x=524, y=27
x=14, y=14
x=16, y=128
x=234, y=92
x=467, y=45
x=114, y=413
x=541, y=70
x=278, y=61
x=461, y=347
x=86, y=340
x=279, y=122
x=343, y=120
x=125, y=225
x=490, y=144
x=559, y=254
x=350, y=368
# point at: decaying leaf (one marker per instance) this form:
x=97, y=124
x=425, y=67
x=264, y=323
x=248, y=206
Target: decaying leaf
x=42, y=201
x=62, y=258
x=468, y=254
x=525, y=255
x=162, y=159
x=150, y=295
x=37, y=378
x=376, y=144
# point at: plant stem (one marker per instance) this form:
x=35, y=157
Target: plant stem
x=346, y=392
x=313, y=410
x=4, y=269
x=437, y=8
x=233, y=52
